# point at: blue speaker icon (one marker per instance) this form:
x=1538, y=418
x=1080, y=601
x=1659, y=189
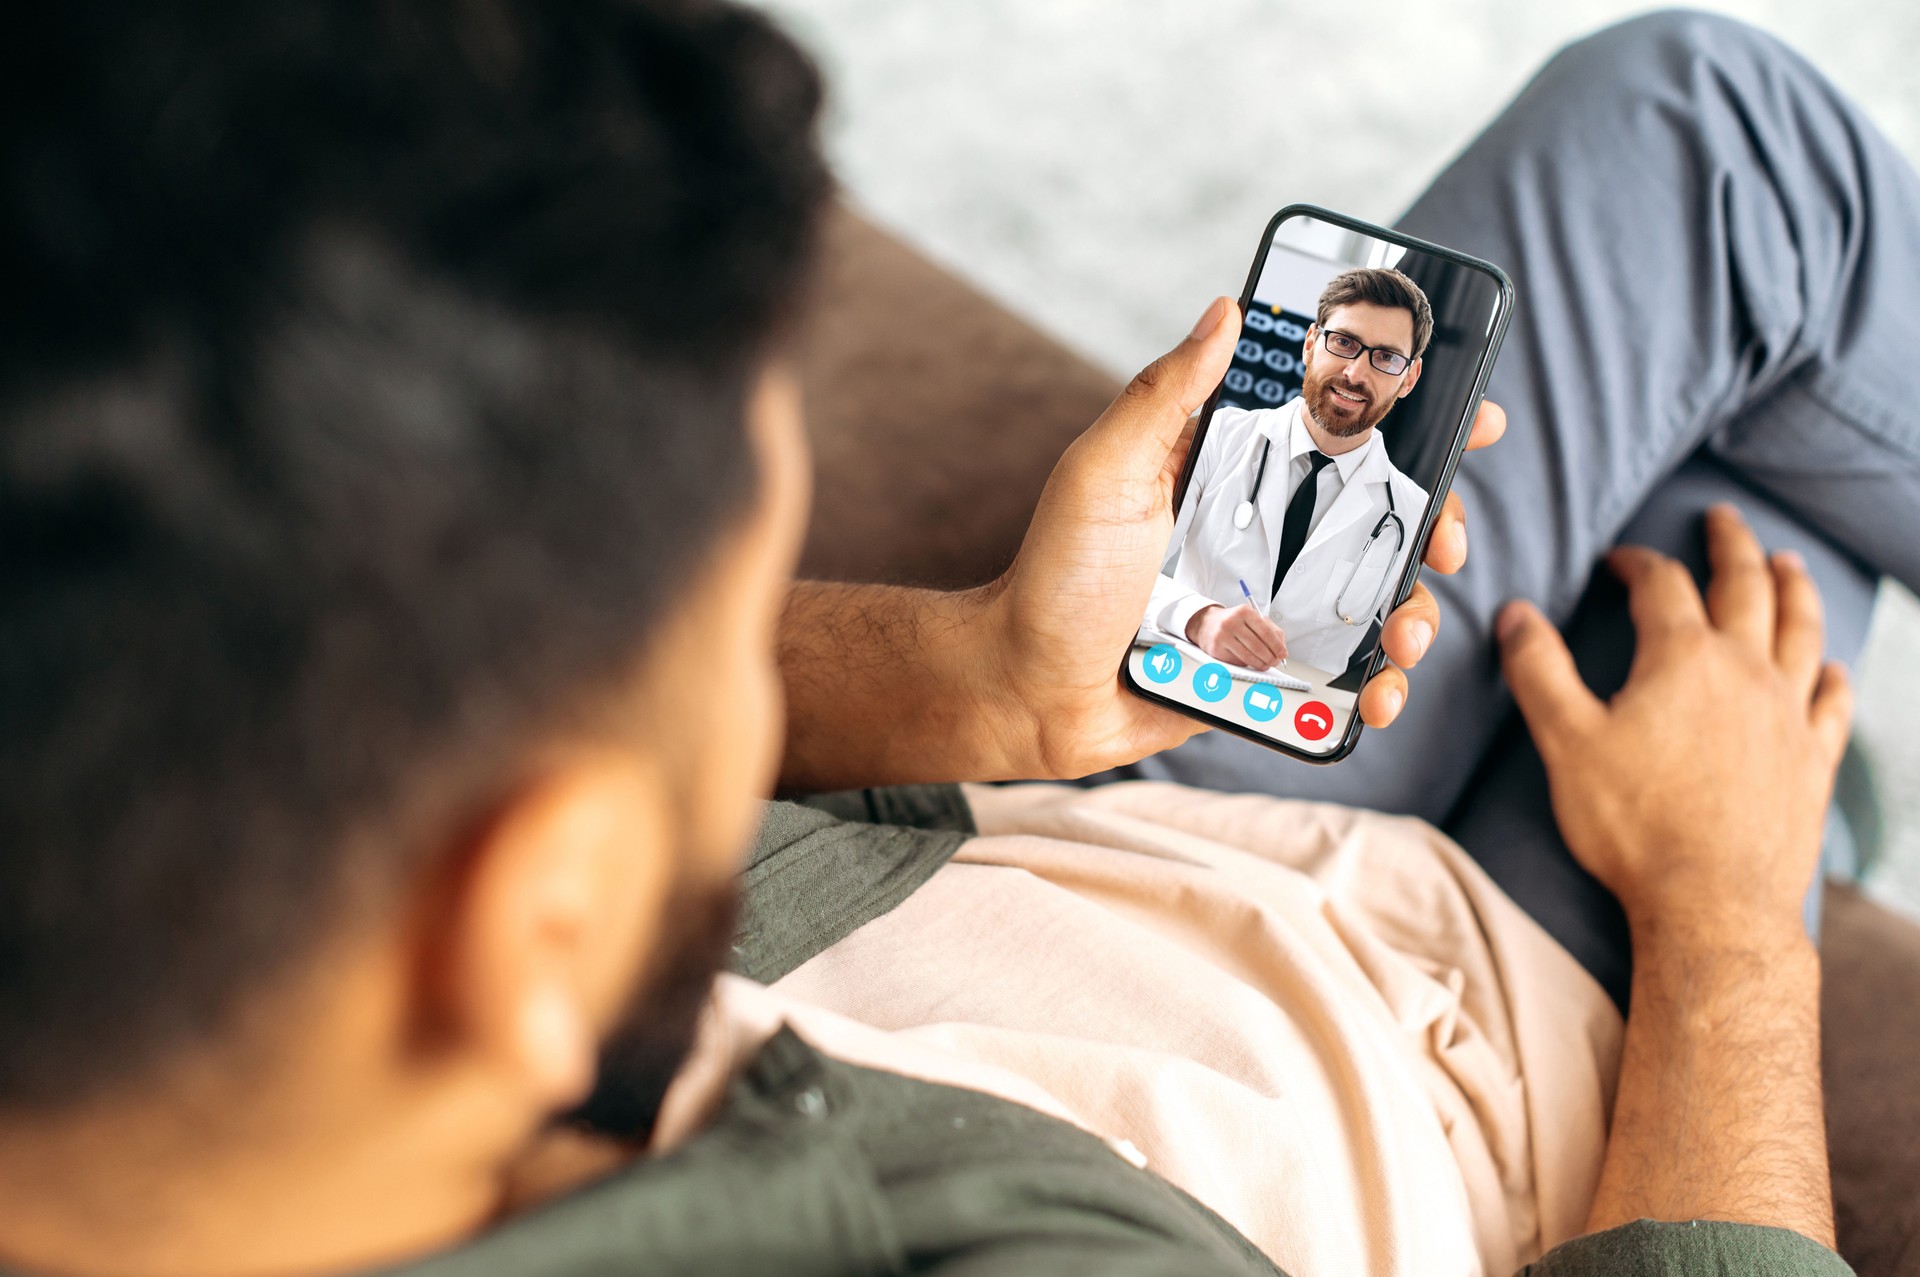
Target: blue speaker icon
x=1162, y=663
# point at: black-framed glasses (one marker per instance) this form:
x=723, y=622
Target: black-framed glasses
x=1345, y=346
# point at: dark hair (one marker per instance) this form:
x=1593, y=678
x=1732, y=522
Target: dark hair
x=372, y=375
x=1382, y=287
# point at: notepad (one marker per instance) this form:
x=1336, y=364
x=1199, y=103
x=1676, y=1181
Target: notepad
x=1152, y=634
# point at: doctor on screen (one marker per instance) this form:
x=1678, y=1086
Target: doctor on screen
x=1300, y=503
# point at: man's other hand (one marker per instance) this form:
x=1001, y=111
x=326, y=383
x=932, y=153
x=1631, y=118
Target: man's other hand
x=1697, y=794
x=1062, y=616
x=1241, y=635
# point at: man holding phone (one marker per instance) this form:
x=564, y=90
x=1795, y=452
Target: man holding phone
x=364, y=519
x=1317, y=462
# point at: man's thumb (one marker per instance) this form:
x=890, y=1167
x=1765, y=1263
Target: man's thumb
x=1157, y=402
x=1552, y=697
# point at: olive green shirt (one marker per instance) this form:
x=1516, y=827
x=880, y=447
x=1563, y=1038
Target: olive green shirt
x=814, y=1166
x=817, y=1167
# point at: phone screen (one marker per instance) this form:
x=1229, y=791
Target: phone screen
x=1316, y=472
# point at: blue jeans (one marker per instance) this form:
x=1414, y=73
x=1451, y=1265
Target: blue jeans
x=1718, y=267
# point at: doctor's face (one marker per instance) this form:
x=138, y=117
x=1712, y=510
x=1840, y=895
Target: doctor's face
x=1349, y=396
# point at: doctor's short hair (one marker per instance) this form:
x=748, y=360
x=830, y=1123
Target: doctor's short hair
x=373, y=383
x=1382, y=286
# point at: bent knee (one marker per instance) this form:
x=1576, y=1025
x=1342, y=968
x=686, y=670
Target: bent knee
x=1695, y=30
x=1700, y=66
x=1668, y=44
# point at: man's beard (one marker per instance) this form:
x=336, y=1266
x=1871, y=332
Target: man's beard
x=639, y=1058
x=1330, y=412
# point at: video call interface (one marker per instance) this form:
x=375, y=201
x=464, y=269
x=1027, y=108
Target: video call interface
x=1311, y=481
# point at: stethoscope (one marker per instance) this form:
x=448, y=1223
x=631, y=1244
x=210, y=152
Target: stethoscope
x=1243, y=519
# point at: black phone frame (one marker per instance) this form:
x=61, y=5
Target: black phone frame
x=1410, y=574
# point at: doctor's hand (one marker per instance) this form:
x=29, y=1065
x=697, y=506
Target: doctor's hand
x=1242, y=635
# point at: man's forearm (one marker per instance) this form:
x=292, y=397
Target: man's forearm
x=889, y=685
x=1719, y=1112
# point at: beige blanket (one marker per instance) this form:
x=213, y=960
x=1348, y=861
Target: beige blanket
x=1327, y=1025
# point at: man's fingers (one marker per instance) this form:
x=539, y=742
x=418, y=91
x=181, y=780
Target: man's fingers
x=1740, y=587
x=1832, y=710
x=1661, y=595
x=1156, y=728
x=1410, y=628
x=1176, y=458
x=1153, y=409
x=1382, y=699
x=1447, y=547
x=1799, y=636
x=1556, y=703
x=1488, y=425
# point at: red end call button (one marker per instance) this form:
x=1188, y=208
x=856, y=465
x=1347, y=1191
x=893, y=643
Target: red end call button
x=1313, y=720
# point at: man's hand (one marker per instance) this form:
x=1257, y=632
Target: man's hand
x=1069, y=605
x=1241, y=635
x=1697, y=795
x=1020, y=678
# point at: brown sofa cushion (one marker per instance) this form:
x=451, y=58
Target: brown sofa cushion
x=935, y=417
x=1870, y=1029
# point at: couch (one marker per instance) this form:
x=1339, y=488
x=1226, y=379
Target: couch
x=936, y=415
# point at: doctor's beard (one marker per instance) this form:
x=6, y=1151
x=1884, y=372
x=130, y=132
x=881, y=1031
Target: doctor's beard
x=1340, y=419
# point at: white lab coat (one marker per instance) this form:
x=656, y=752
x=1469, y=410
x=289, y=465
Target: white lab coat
x=1213, y=556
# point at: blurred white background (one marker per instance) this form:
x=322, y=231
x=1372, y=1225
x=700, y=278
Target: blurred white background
x=1105, y=166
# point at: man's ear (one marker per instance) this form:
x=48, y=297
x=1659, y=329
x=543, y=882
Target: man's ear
x=553, y=909
x=1413, y=378
x=1306, y=347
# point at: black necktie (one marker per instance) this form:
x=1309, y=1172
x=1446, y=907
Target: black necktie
x=1293, y=531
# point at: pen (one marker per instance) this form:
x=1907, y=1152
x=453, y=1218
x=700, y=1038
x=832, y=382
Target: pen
x=1249, y=596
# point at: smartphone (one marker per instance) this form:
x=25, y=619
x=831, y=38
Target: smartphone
x=1319, y=466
